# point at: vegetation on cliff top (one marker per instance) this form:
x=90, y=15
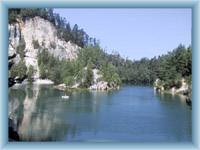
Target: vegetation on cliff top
x=79, y=70
x=169, y=68
x=64, y=30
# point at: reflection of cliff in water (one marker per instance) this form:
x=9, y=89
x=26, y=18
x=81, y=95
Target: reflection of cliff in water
x=28, y=117
x=40, y=114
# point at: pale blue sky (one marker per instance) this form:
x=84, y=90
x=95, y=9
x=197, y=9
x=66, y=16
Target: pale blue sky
x=134, y=33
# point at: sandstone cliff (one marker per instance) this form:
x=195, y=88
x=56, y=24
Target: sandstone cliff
x=37, y=33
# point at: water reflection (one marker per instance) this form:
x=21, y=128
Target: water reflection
x=167, y=97
x=32, y=123
x=128, y=114
x=40, y=114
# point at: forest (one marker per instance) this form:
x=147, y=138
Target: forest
x=170, y=68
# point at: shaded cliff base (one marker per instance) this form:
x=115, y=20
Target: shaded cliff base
x=12, y=133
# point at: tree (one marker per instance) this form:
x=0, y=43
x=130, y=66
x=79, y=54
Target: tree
x=21, y=47
x=30, y=73
x=19, y=70
x=51, y=15
x=88, y=75
x=75, y=33
x=67, y=33
x=12, y=15
x=68, y=80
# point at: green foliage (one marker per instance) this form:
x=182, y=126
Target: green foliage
x=189, y=80
x=68, y=80
x=110, y=74
x=64, y=31
x=176, y=65
x=21, y=47
x=169, y=68
x=87, y=76
x=54, y=69
x=27, y=13
x=30, y=73
x=36, y=44
x=79, y=70
x=93, y=55
x=12, y=15
x=177, y=83
x=18, y=70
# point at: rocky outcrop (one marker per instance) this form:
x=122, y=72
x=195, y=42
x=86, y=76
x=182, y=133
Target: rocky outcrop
x=101, y=85
x=159, y=85
x=37, y=34
x=98, y=84
x=184, y=89
x=61, y=87
x=27, y=38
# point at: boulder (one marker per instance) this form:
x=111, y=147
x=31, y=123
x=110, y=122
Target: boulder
x=61, y=87
x=101, y=85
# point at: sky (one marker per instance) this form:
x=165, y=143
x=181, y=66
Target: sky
x=134, y=33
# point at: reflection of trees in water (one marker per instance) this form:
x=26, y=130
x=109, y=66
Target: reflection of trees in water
x=45, y=116
x=34, y=125
x=178, y=98
x=86, y=101
x=15, y=106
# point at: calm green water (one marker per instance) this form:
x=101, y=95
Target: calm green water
x=130, y=114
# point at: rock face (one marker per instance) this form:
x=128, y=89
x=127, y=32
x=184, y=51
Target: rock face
x=98, y=84
x=61, y=87
x=184, y=89
x=158, y=85
x=102, y=85
x=36, y=34
x=44, y=34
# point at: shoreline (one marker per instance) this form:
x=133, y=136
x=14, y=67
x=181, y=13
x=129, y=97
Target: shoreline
x=188, y=99
x=63, y=87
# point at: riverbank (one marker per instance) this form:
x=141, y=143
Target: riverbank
x=184, y=90
x=93, y=87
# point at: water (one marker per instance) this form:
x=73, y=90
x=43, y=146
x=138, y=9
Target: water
x=130, y=114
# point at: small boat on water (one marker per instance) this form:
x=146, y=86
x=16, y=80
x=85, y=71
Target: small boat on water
x=65, y=97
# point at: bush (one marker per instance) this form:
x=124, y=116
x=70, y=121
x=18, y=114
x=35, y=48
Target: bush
x=189, y=80
x=69, y=80
x=30, y=73
x=43, y=71
x=36, y=44
x=53, y=45
x=18, y=70
x=12, y=15
x=178, y=84
x=110, y=74
x=21, y=47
